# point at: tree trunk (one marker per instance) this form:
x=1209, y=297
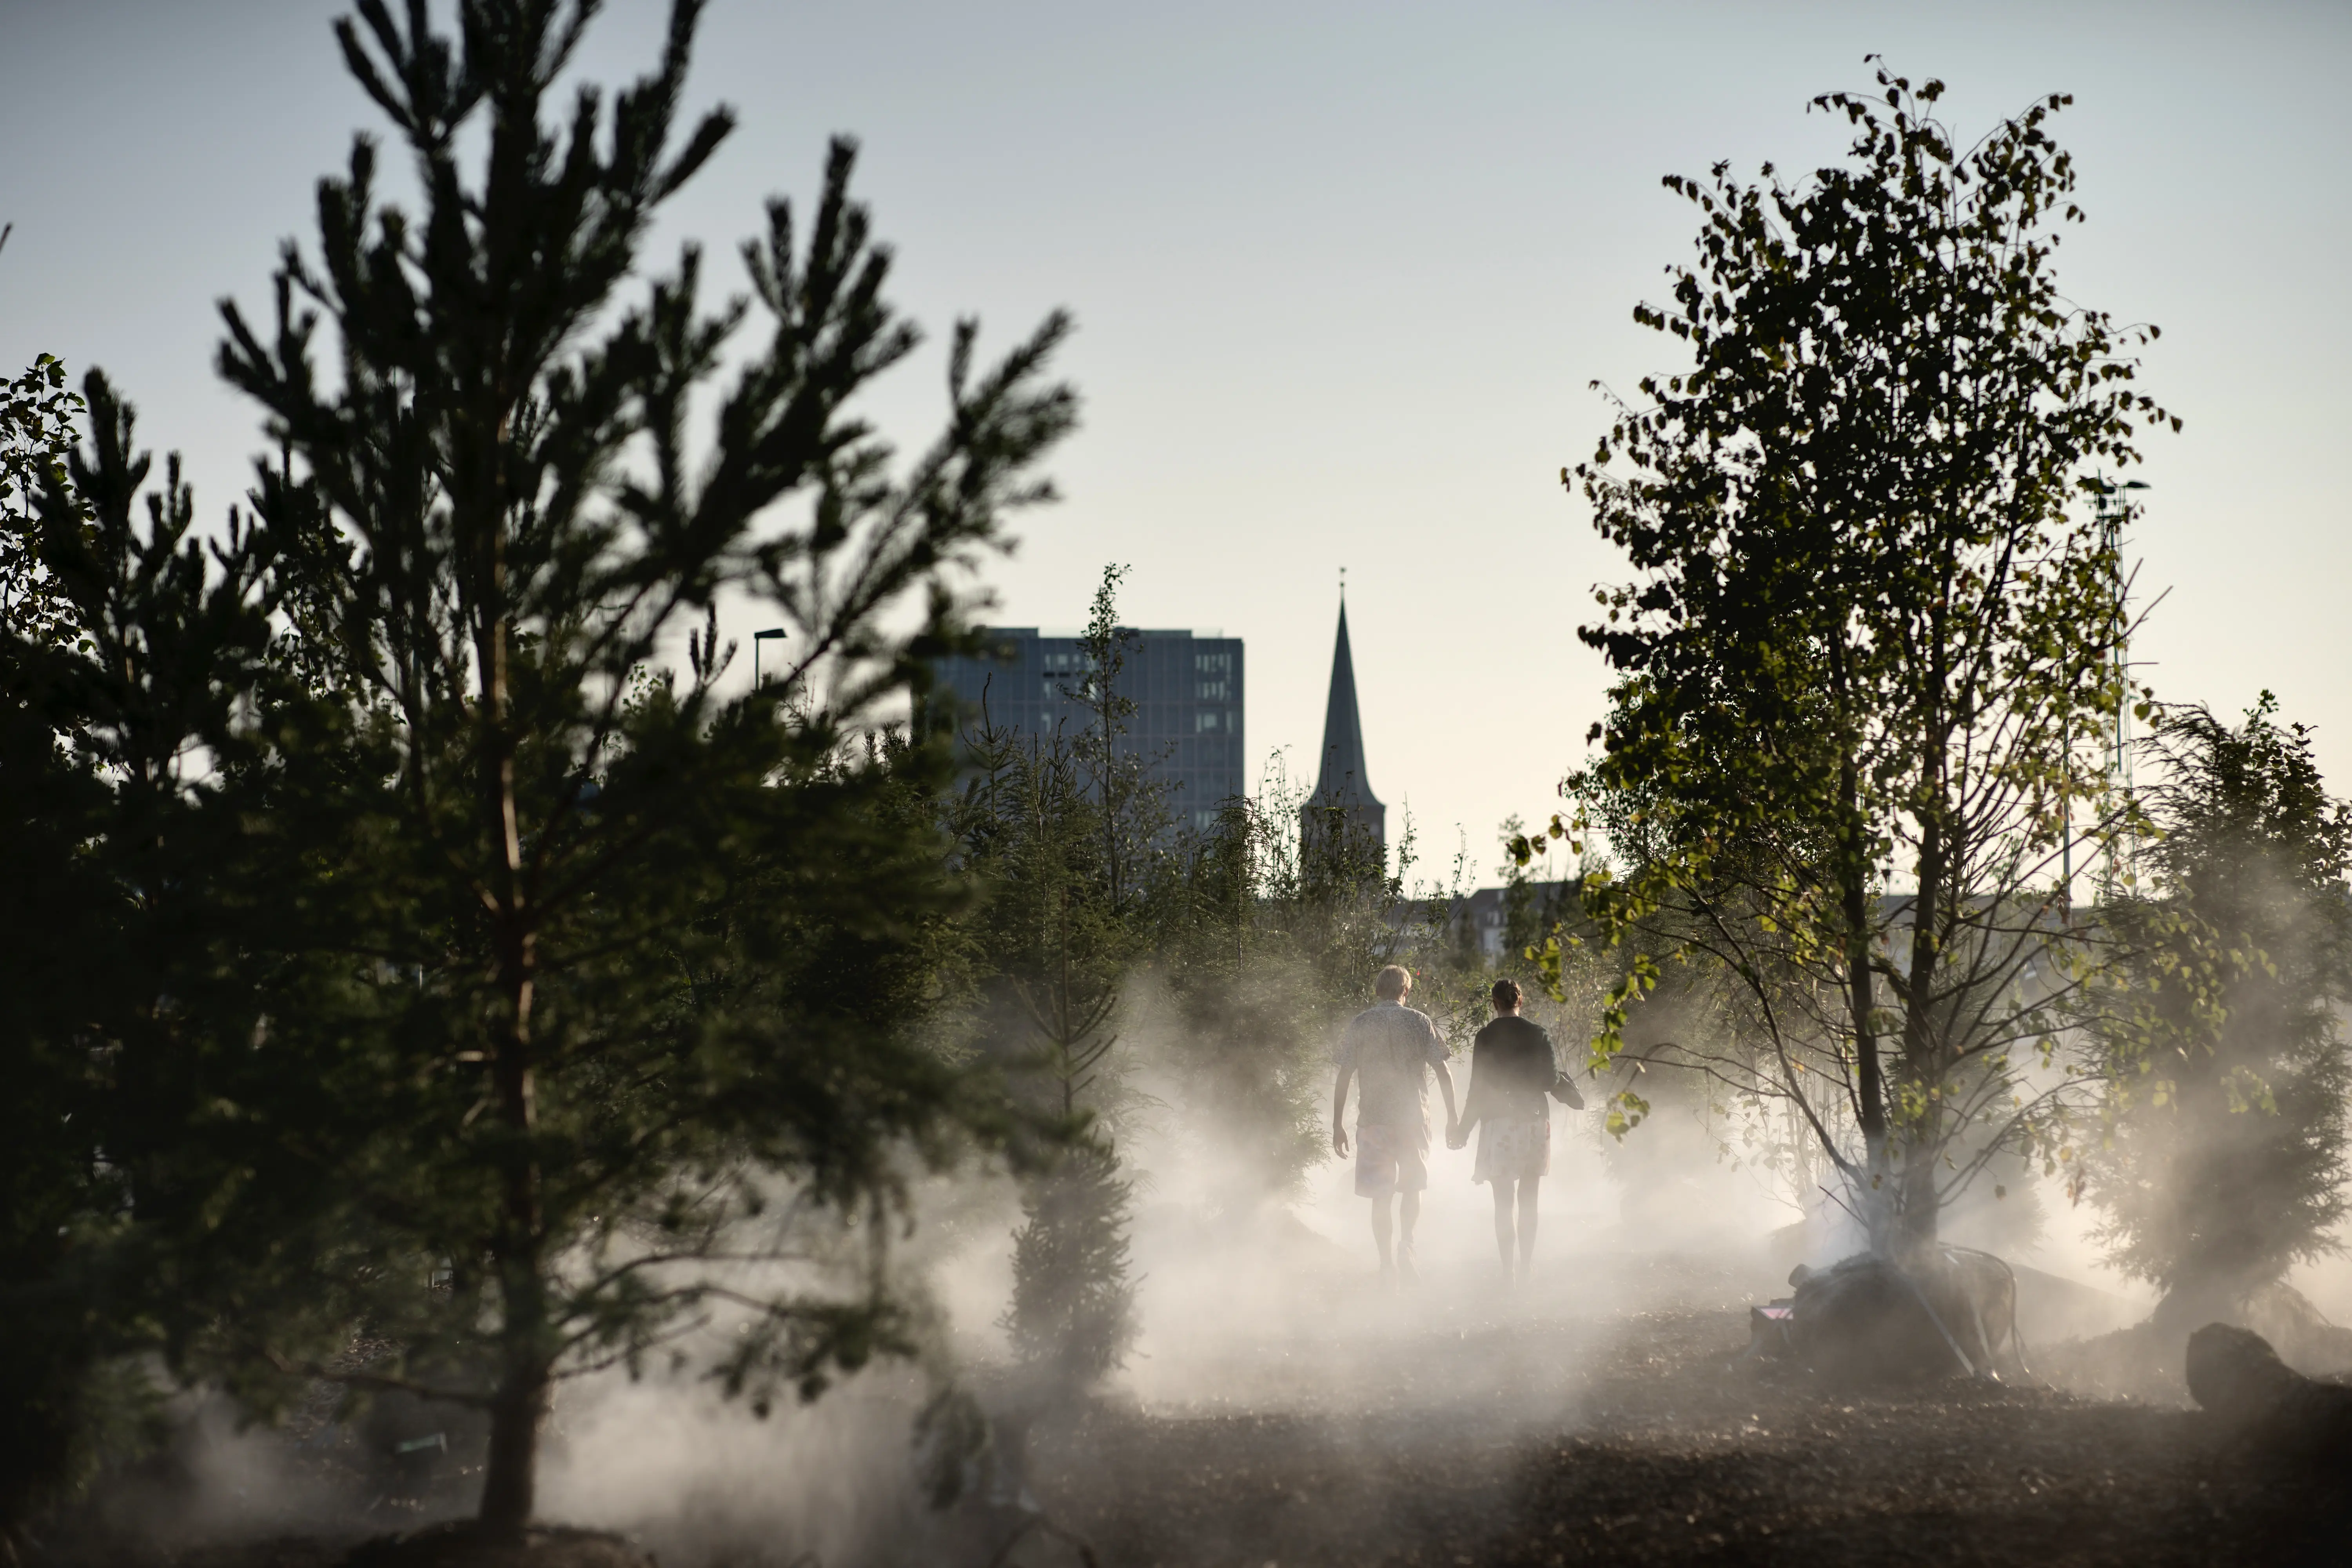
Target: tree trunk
x=1917, y=1212
x=1862, y=1002
x=1923, y=1052
x=510, y=1480
x=519, y=1405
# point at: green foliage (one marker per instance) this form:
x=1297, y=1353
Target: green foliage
x=2225, y=1157
x=1065, y=834
x=1073, y=1314
x=1269, y=946
x=1247, y=944
x=37, y=421
x=1130, y=802
x=120, y=647
x=50, y=1194
x=1868, y=638
x=453, y=973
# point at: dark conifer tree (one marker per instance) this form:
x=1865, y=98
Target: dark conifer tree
x=535, y=976
x=1073, y=1314
x=49, y=1198
x=1067, y=833
x=2226, y=1158
x=124, y=649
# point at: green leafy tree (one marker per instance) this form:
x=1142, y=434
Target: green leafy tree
x=36, y=431
x=2226, y=1157
x=1868, y=638
x=557, y=995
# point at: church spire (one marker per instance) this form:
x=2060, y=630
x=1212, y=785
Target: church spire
x=1342, y=783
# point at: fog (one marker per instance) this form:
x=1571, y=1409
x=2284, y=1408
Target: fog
x=1274, y=1310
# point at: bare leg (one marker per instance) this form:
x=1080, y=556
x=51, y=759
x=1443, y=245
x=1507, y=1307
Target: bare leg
x=1504, y=1236
x=1407, y=1211
x=1527, y=1186
x=1381, y=1231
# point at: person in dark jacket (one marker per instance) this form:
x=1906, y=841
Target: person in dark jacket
x=1514, y=1075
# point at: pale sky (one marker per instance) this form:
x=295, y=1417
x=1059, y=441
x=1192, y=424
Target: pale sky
x=1342, y=275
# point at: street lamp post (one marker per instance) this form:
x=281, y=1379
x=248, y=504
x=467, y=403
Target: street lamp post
x=777, y=633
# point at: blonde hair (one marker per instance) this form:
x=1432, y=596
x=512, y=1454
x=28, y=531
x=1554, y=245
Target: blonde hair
x=1393, y=981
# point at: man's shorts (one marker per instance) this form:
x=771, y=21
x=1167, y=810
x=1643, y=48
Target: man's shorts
x=1389, y=1160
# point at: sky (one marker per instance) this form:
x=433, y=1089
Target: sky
x=1345, y=277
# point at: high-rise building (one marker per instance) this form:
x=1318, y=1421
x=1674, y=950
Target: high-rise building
x=1186, y=686
x=1341, y=783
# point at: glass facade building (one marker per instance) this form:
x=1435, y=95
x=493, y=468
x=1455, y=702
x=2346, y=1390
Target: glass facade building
x=1186, y=686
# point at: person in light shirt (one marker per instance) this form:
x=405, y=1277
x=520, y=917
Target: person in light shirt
x=1390, y=1050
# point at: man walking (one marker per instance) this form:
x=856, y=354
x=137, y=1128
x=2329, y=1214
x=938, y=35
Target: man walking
x=1386, y=1046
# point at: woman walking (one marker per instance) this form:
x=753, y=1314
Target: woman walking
x=1513, y=1067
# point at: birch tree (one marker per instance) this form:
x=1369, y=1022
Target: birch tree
x=1867, y=655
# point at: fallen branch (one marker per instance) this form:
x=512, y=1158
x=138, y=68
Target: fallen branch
x=1038, y=1521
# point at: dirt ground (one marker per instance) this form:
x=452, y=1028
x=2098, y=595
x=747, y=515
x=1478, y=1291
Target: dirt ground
x=1496, y=1431
x=1675, y=1461
x=1598, y=1416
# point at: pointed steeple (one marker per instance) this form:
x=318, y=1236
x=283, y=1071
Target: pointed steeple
x=1342, y=783
x=1342, y=779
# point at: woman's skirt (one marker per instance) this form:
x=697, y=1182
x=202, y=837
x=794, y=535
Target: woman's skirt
x=1512, y=1149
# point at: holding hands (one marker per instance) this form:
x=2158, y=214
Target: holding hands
x=1455, y=1134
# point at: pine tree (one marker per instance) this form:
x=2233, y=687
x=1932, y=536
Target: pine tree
x=2226, y=1154
x=1066, y=834
x=48, y=1194
x=1073, y=1314
x=536, y=977
x=122, y=649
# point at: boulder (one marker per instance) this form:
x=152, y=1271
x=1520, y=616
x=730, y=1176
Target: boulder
x=2235, y=1373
